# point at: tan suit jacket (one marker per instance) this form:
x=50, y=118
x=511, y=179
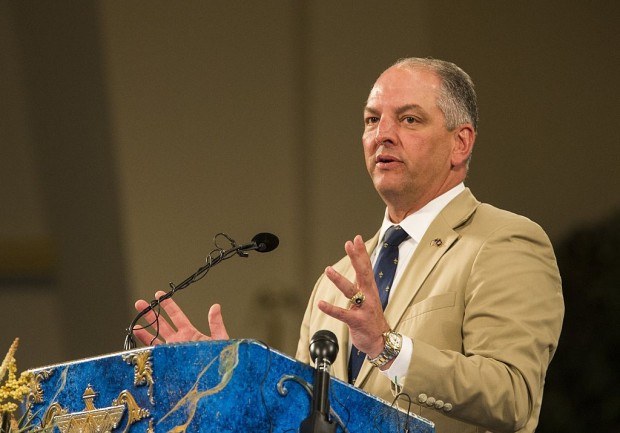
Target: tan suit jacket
x=481, y=299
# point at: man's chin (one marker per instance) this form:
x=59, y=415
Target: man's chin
x=389, y=190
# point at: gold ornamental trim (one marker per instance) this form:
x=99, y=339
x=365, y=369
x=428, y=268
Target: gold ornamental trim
x=143, y=370
x=36, y=391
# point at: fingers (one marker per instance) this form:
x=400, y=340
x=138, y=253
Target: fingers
x=347, y=288
x=360, y=260
x=179, y=329
x=333, y=311
x=142, y=334
x=365, y=320
x=216, y=323
x=364, y=277
x=140, y=305
x=176, y=315
x=364, y=283
x=146, y=337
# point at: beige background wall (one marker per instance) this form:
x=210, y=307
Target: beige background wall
x=132, y=132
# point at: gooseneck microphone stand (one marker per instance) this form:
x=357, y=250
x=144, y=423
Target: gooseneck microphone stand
x=262, y=242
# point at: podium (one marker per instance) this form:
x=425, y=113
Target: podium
x=219, y=386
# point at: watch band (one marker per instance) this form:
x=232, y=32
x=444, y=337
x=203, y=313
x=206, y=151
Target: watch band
x=393, y=345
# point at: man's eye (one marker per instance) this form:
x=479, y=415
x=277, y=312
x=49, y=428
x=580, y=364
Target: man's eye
x=410, y=119
x=371, y=119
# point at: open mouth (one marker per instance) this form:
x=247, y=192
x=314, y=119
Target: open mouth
x=386, y=161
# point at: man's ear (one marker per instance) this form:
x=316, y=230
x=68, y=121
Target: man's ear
x=464, y=138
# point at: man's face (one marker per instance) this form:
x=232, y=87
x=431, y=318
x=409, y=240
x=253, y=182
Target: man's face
x=407, y=147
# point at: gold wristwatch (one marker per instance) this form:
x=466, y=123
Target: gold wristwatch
x=393, y=344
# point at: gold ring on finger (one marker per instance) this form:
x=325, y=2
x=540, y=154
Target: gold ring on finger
x=357, y=300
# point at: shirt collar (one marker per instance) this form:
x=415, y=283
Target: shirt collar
x=418, y=222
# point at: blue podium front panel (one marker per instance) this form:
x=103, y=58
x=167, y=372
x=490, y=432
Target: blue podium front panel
x=223, y=386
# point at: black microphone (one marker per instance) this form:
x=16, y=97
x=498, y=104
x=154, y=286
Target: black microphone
x=262, y=242
x=323, y=351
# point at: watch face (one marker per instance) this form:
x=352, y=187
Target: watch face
x=394, y=340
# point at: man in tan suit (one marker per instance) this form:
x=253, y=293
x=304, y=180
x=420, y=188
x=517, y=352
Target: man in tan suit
x=475, y=308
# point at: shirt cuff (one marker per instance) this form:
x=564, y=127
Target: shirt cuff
x=398, y=370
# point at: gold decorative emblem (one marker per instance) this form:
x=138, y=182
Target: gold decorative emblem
x=143, y=370
x=91, y=419
x=436, y=242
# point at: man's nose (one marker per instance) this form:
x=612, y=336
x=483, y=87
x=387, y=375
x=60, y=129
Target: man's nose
x=386, y=131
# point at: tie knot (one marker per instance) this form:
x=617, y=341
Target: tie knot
x=394, y=236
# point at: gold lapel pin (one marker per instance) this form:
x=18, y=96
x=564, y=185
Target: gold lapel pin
x=436, y=242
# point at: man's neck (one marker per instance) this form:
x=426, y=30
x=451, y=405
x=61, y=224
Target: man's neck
x=400, y=205
x=398, y=214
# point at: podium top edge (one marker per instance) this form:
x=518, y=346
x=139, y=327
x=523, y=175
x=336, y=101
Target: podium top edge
x=247, y=341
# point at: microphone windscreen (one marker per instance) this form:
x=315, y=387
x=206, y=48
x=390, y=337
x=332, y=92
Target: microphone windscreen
x=324, y=345
x=266, y=242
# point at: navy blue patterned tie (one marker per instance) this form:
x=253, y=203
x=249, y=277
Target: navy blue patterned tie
x=385, y=269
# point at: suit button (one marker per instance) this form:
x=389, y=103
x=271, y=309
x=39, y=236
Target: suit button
x=430, y=401
x=439, y=404
x=422, y=398
x=447, y=407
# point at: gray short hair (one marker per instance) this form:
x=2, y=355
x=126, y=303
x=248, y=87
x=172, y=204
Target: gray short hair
x=457, y=100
